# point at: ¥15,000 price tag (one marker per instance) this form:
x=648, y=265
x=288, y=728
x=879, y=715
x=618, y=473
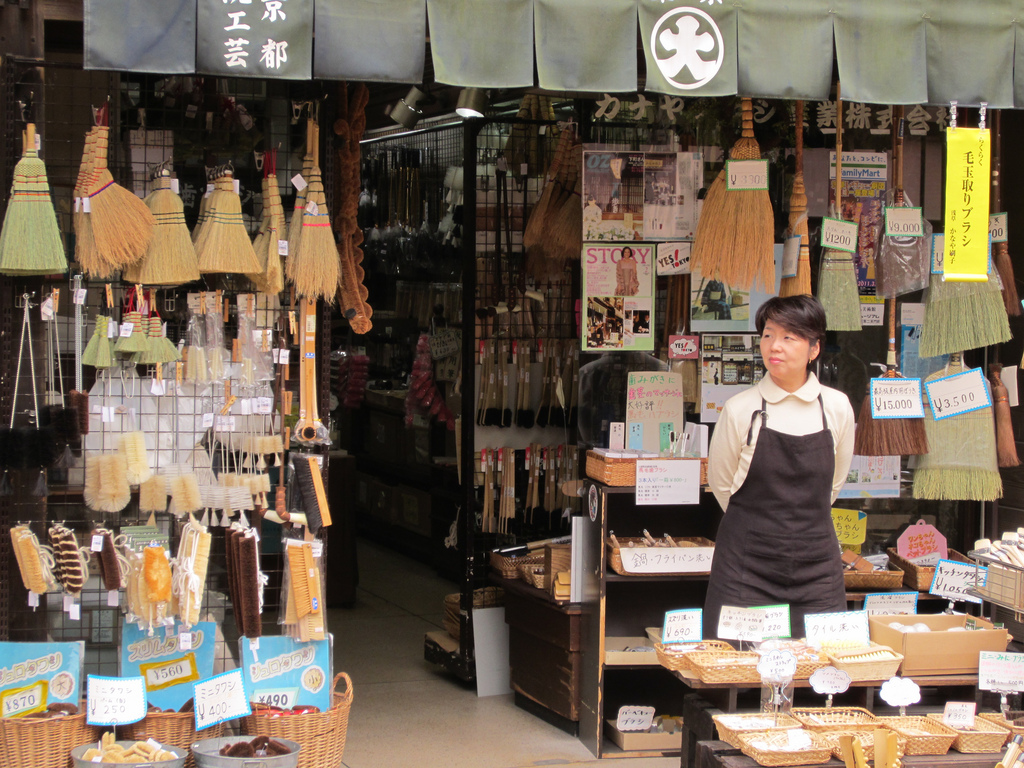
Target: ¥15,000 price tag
x=220, y=698
x=956, y=394
x=683, y=626
x=896, y=399
x=634, y=718
x=115, y=700
x=839, y=235
x=904, y=222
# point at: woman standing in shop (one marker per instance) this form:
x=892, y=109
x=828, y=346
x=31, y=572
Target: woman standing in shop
x=780, y=453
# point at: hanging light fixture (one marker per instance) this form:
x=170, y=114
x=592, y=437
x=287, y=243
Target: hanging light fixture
x=472, y=102
x=406, y=111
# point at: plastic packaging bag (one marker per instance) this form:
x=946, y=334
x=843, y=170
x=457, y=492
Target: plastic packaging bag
x=902, y=263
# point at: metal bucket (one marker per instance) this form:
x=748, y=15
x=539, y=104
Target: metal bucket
x=207, y=755
x=178, y=762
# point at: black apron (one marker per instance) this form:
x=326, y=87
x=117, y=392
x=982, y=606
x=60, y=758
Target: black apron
x=776, y=543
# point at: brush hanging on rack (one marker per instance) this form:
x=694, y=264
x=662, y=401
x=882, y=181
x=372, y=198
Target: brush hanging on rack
x=78, y=397
x=64, y=420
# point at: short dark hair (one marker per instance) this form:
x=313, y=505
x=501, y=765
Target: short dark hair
x=802, y=315
x=625, y=248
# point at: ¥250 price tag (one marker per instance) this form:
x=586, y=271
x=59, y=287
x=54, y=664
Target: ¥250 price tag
x=115, y=700
x=634, y=718
x=956, y=394
x=220, y=698
x=839, y=235
x=683, y=626
x=904, y=222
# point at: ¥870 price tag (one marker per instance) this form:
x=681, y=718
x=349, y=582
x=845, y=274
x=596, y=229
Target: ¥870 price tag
x=956, y=394
x=115, y=700
x=220, y=698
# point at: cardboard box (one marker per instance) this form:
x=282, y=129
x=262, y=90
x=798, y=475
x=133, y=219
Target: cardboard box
x=940, y=651
x=412, y=509
x=615, y=651
x=639, y=741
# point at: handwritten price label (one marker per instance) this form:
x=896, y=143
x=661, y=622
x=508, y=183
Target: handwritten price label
x=634, y=718
x=683, y=626
x=1000, y=671
x=997, y=228
x=741, y=624
x=904, y=222
x=938, y=254
x=650, y=560
x=829, y=680
x=890, y=603
x=220, y=698
x=445, y=343
x=956, y=394
x=776, y=621
x=896, y=399
x=18, y=702
x=952, y=579
x=839, y=235
x=746, y=174
x=777, y=667
x=959, y=714
x=844, y=625
x=115, y=700
x=164, y=674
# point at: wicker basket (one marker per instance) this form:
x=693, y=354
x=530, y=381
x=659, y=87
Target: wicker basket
x=321, y=734
x=997, y=719
x=867, y=742
x=177, y=729
x=827, y=719
x=485, y=597
x=772, y=748
x=924, y=735
x=725, y=666
x=888, y=579
x=620, y=472
x=508, y=566
x=731, y=726
x=615, y=555
x=674, y=656
x=533, y=574
x=920, y=577
x=43, y=742
x=986, y=736
x=875, y=669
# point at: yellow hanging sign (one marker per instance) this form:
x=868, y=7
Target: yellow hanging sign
x=851, y=525
x=967, y=206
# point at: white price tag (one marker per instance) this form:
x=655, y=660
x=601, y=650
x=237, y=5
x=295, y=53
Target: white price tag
x=46, y=309
x=959, y=714
x=777, y=667
x=842, y=625
x=890, y=603
x=776, y=621
x=952, y=579
x=741, y=623
x=872, y=311
x=652, y=560
x=1010, y=381
x=634, y=719
x=191, y=111
x=839, y=235
x=79, y=296
x=209, y=189
x=791, y=255
x=97, y=543
x=282, y=356
x=75, y=612
x=33, y=600
x=237, y=186
x=617, y=436
x=911, y=314
x=746, y=174
x=126, y=329
x=158, y=387
x=113, y=598
x=900, y=692
x=282, y=247
x=264, y=405
x=107, y=414
x=904, y=222
x=220, y=698
x=956, y=394
x=86, y=204
x=999, y=671
x=225, y=424
x=185, y=641
x=112, y=330
x=938, y=254
x=682, y=626
x=445, y=343
x=298, y=182
x=175, y=186
x=312, y=208
x=896, y=399
x=115, y=700
x=207, y=420
x=829, y=680
x=997, y=228
x=245, y=407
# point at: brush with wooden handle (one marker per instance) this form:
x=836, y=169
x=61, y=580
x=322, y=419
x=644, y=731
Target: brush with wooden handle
x=309, y=430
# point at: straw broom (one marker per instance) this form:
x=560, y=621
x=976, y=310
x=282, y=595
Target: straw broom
x=960, y=316
x=314, y=268
x=273, y=278
x=536, y=232
x=800, y=284
x=1001, y=251
x=837, y=283
x=295, y=225
x=223, y=244
x=170, y=258
x=30, y=242
x=735, y=238
x=204, y=212
x=962, y=463
x=566, y=229
x=1006, y=443
x=86, y=254
x=259, y=243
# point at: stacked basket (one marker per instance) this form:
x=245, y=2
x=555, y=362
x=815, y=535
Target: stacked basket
x=42, y=742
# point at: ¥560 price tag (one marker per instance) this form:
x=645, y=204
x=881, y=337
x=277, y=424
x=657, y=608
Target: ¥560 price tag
x=115, y=700
x=839, y=235
x=956, y=394
x=220, y=698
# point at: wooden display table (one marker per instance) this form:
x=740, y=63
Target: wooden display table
x=718, y=754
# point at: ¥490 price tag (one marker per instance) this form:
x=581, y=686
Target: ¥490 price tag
x=956, y=394
x=115, y=700
x=220, y=698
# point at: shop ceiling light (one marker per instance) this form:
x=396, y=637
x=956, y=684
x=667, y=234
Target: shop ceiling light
x=472, y=103
x=406, y=111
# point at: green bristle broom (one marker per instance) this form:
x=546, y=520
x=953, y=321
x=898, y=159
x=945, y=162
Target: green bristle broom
x=960, y=316
x=223, y=244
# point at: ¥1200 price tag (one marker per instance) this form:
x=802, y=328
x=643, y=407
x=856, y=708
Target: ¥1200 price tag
x=896, y=399
x=220, y=698
x=956, y=394
x=839, y=235
x=1000, y=671
x=997, y=228
x=683, y=626
x=776, y=621
x=634, y=718
x=746, y=174
x=115, y=700
x=26, y=700
x=904, y=222
x=741, y=624
x=959, y=714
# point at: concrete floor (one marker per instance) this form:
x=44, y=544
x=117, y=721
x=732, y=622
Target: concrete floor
x=407, y=712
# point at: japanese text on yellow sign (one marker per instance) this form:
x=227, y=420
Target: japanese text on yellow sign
x=967, y=190
x=851, y=525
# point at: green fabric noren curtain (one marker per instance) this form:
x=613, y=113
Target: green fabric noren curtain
x=141, y=36
x=372, y=40
x=785, y=50
x=690, y=48
x=482, y=43
x=586, y=45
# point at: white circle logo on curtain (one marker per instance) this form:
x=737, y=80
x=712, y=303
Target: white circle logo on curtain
x=678, y=41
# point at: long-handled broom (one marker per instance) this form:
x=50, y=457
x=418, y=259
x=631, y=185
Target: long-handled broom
x=170, y=258
x=295, y=225
x=837, y=283
x=735, y=238
x=800, y=284
x=1001, y=251
x=30, y=242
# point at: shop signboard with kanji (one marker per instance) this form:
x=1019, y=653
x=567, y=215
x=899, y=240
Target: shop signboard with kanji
x=255, y=38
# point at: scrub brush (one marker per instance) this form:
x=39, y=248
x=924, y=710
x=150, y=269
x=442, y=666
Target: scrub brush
x=111, y=564
x=185, y=494
x=311, y=486
x=190, y=571
x=106, y=482
x=157, y=571
x=153, y=494
x=133, y=446
x=72, y=562
x=35, y=562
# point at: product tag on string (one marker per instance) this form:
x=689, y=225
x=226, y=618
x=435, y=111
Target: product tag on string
x=245, y=406
x=191, y=111
x=107, y=414
x=33, y=600
x=254, y=646
x=282, y=247
x=298, y=182
x=113, y=598
x=97, y=543
x=112, y=330
x=957, y=394
x=790, y=256
x=175, y=186
x=79, y=297
x=282, y=358
x=207, y=420
x=312, y=208
x=86, y=204
x=46, y=309
x=904, y=222
x=126, y=330
x=185, y=641
x=839, y=235
x=997, y=228
x=75, y=612
x=157, y=386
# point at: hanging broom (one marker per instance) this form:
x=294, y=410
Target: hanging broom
x=314, y=268
x=259, y=243
x=223, y=244
x=735, y=238
x=86, y=254
x=1006, y=443
x=1001, y=251
x=30, y=242
x=204, y=210
x=272, y=280
x=837, y=284
x=295, y=225
x=566, y=230
x=962, y=463
x=170, y=258
x=800, y=284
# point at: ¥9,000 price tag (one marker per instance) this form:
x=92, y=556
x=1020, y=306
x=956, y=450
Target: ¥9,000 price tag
x=683, y=626
x=956, y=394
x=220, y=698
x=904, y=222
x=115, y=700
x=839, y=235
x=634, y=718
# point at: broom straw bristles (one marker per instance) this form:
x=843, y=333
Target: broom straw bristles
x=170, y=258
x=959, y=316
x=1001, y=258
x=837, y=291
x=315, y=268
x=122, y=225
x=800, y=284
x=888, y=437
x=224, y=245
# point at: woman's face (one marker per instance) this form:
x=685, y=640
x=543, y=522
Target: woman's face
x=627, y=252
x=786, y=355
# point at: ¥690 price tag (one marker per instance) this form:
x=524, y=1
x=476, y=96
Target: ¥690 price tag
x=683, y=626
x=904, y=222
x=115, y=700
x=634, y=718
x=220, y=698
x=956, y=394
x=839, y=235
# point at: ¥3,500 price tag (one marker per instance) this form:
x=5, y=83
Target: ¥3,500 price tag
x=220, y=698
x=956, y=394
x=115, y=700
x=904, y=222
x=839, y=235
x=896, y=399
x=746, y=174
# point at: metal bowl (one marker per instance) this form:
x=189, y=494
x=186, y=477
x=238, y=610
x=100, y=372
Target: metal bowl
x=207, y=755
x=180, y=755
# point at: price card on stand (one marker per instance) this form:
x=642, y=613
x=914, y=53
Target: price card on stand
x=220, y=698
x=896, y=399
x=842, y=625
x=830, y=681
x=904, y=222
x=953, y=579
x=1000, y=671
x=900, y=692
x=890, y=603
x=634, y=718
x=746, y=174
x=839, y=235
x=938, y=253
x=685, y=625
x=115, y=700
x=777, y=667
x=956, y=394
x=776, y=621
x=741, y=624
x=959, y=714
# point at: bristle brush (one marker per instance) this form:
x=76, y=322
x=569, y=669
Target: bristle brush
x=311, y=486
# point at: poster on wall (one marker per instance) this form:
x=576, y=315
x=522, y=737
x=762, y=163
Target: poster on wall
x=728, y=365
x=36, y=675
x=872, y=477
x=613, y=195
x=168, y=665
x=863, y=194
x=716, y=306
x=618, y=296
x=671, y=183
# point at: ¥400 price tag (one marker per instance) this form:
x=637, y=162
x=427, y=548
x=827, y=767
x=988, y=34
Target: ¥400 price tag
x=634, y=718
x=956, y=394
x=115, y=700
x=839, y=235
x=220, y=698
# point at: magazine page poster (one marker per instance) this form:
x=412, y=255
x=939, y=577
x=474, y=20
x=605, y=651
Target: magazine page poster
x=863, y=192
x=728, y=365
x=716, y=306
x=671, y=183
x=613, y=195
x=872, y=477
x=618, y=291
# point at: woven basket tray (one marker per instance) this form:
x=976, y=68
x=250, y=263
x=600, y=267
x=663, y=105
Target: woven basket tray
x=777, y=751
x=615, y=554
x=986, y=736
x=176, y=729
x=725, y=666
x=730, y=726
x=1002, y=722
x=321, y=734
x=533, y=574
x=924, y=735
x=674, y=656
x=507, y=567
x=867, y=742
x=485, y=597
x=890, y=579
x=826, y=719
x=874, y=669
x=43, y=742
x=920, y=577
x=620, y=472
